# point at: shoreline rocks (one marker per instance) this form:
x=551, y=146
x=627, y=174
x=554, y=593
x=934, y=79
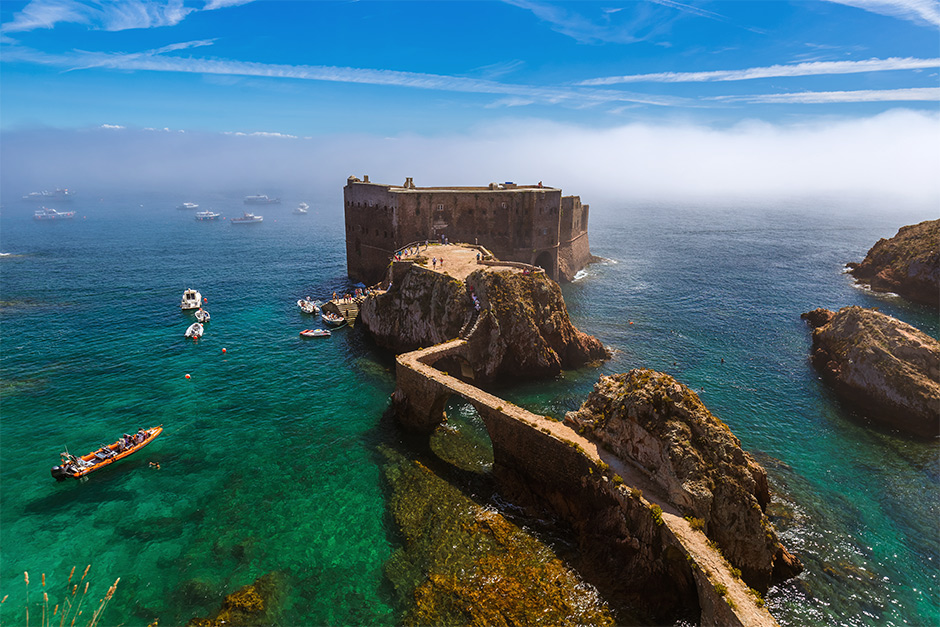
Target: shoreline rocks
x=885, y=367
x=652, y=421
x=907, y=264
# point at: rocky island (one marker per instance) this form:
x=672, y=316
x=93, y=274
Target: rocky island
x=908, y=264
x=885, y=367
x=521, y=328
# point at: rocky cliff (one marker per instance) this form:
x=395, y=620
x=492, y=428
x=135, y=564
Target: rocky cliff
x=907, y=264
x=652, y=421
x=886, y=367
x=522, y=329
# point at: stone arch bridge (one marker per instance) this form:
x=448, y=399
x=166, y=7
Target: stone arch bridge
x=581, y=482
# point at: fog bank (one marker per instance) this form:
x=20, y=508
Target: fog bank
x=894, y=154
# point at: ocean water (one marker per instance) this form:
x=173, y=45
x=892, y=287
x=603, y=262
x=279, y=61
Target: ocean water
x=271, y=456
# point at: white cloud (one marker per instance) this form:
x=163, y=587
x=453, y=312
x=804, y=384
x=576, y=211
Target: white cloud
x=112, y=126
x=155, y=60
x=774, y=71
x=917, y=94
x=109, y=15
x=259, y=134
x=920, y=11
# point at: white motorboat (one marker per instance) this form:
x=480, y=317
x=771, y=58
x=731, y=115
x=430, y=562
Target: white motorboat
x=207, y=215
x=188, y=206
x=308, y=306
x=332, y=319
x=315, y=333
x=51, y=214
x=248, y=218
x=202, y=315
x=194, y=331
x=261, y=200
x=192, y=299
x=301, y=209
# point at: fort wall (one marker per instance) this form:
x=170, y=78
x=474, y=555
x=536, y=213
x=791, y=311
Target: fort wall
x=530, y=224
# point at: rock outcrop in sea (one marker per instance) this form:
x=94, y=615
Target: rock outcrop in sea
x=885, y=367
x=521, y=331
x=653, y=422
x=908, y=264
x=253, y=605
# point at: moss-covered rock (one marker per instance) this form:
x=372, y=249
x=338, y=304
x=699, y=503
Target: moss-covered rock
x=466, y=564
x=886, y=368
x=907, y=264
x=657, y=424
x=253, y=605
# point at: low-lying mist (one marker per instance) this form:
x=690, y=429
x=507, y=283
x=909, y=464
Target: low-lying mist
x=892, y=155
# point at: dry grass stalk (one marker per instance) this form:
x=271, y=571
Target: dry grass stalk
x=26, y=577
x=78, y=608
x=67, y=583
x=104, y=603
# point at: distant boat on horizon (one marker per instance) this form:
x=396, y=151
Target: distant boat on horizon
x=188, y=206
x=59, y=195
x=207, y=215
x=248, y=218
x=301, y=209
x=261, y=200
x=51, y=214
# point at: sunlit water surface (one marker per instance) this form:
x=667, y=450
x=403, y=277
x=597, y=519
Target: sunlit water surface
x=269, y=457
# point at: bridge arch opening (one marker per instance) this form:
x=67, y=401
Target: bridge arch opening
x=545, y=262
x=462, y=440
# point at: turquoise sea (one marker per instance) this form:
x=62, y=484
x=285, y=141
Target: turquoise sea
x=270, y=456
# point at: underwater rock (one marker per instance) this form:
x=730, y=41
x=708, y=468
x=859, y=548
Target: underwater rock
x=907, y=264
x=253, y=605
x=465, y=564
x=522, y=331
x=885, y=367
x=652, y=421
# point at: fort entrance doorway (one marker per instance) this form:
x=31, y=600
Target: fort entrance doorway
x=545, y=262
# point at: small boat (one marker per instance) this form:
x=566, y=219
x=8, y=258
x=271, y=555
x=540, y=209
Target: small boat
x=315, y=333
x=308, y=306
x=261, y=200
x=194, y=331
x=59, y=195
x=248, y=218
x=51, y=214
x=191, y=300
x=188, y=206
x=202, y=316
x=207, y=215
x=301, y=209
x=77, y=467
x=332, y=319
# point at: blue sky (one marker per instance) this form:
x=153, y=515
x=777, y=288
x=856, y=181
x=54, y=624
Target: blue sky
x=452, y=72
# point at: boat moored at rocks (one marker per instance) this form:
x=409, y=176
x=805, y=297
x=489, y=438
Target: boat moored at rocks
x=195, y=331
x=315, y=333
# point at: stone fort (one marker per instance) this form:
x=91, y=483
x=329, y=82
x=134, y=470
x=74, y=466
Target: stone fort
x=531, y=224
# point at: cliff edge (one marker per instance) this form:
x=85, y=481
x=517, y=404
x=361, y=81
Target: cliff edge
x=908, y=264
x=655, y=423
x=878, y=363
x=522, y=328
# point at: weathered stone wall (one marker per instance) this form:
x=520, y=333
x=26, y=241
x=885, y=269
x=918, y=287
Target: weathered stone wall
x=528, y=224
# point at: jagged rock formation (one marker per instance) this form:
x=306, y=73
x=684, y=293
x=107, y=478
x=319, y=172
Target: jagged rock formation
x=884, y=366
x=522, y=330
x=908, y=264
x=652, y=421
